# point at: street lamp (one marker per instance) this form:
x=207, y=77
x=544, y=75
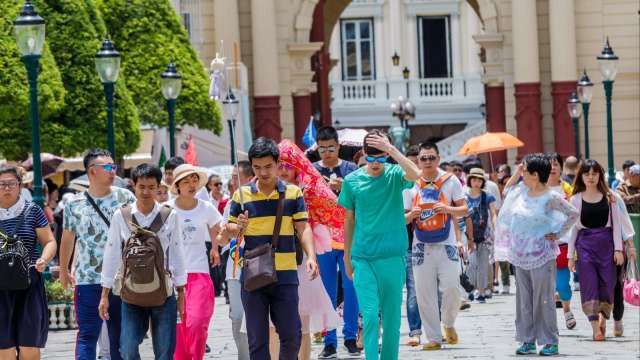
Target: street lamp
x=108, y=67
x=395, y=59
x=608, y=63
x=585, y=93
x=573, y=106
x=29, y=30
x=231, y=108
x=171, y=84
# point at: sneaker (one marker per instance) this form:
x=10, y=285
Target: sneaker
x=569, y=320
x=450, y=335
x=576, y=286
x=465, y=305
x=549, y=350
x=432, y=345
x=482, y=300
x=505, y=290
x=329, y=352
x=471, y=296
x=526, y=349
x=207, y=349
x=487, y=294
x=352, y=349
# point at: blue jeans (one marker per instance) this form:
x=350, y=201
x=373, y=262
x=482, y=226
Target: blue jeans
x=135, y=323
x=329, y=263
x=87, y=298
x=413, y=314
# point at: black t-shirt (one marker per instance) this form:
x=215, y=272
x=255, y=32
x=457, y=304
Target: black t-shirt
x=595, y=215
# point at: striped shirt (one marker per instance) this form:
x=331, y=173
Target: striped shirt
x=262, y=217
x=35, y=219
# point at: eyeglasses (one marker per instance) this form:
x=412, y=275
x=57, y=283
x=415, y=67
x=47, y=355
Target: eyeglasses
x=107, y=167
x=426, y=158
x=324, y=149
x=8, y=184
x=380, y=159
x=457, y=170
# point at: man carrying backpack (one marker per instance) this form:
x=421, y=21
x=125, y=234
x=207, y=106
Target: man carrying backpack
x=435, y=256
x=143, y=261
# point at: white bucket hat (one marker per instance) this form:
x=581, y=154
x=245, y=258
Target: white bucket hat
x=185, y=170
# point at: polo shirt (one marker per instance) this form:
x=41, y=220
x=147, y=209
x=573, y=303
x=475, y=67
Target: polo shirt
x=262, y=217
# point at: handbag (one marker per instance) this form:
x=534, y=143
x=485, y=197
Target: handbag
x=631, y=288
x=561, y=261
x=464, y=279
x=259, y=269
x=14, y=258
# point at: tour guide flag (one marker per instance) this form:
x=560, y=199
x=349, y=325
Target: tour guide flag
x=309, y=137
x=163, y=158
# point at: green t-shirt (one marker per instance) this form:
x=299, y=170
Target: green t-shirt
x=380, y=230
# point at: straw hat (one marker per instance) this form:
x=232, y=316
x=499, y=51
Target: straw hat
x=476, y=173
x=185, y=170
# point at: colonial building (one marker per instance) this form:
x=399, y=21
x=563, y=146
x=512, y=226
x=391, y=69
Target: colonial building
x=520, y=58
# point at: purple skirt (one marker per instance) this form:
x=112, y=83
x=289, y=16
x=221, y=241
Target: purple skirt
x=597, y=271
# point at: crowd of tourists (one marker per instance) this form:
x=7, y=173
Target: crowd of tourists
x=308, y=250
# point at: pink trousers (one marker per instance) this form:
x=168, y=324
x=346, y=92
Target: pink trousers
x=191, y=333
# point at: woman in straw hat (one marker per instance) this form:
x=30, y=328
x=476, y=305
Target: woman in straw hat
x=199, y=222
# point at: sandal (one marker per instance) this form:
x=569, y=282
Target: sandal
x=598, y=337
x=570, y=320
x=618, y=328
x=414, y=341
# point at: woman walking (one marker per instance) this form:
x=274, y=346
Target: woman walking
x=200, y=222
x=531, y=221
x=24, y=322
x=563, y=288
x=597, y=238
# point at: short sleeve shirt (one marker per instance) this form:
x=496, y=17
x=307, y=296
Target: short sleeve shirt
x=345, y=168
x=262, y=215
x=33, y=220
x=91, y=231
x=380, y=229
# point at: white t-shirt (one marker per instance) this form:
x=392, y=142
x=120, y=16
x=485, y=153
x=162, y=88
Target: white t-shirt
x=195, y=224
x=202, y=194
x=452, y=189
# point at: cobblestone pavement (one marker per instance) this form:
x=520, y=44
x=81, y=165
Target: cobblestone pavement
x=486, y=332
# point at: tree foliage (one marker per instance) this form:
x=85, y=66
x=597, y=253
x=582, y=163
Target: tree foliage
x=149, y=34
x=15, y=126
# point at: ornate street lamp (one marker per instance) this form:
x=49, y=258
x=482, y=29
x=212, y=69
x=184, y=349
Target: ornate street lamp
x=29, y=30
x=231, y=107
x=108, y=67
x=404, y=110
x=608, y=63
x=395, y=59
x=171, y=84
x=575, y=110
x=585, y=93
x=405, y=73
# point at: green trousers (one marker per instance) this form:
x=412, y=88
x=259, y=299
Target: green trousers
x=379, y=285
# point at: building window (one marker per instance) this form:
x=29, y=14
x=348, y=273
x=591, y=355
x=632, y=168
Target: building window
x=186, y=21
x=358, y=50
x=434, y=42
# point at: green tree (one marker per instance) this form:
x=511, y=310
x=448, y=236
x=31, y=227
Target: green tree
x=149, y=34
x=75, y=34
x=15, y=126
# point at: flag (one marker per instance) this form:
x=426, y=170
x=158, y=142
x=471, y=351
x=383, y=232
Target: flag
x=163, y=158
x=309, y=137
x=190, y=155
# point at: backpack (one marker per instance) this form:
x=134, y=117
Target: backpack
x=430, y=227
x=144, y=279
x=14, y=257
x=480, y=219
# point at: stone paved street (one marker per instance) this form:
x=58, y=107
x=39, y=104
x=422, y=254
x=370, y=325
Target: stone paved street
x=486, y=332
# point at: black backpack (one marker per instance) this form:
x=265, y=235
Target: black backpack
x=14, y=257
x=480, y=219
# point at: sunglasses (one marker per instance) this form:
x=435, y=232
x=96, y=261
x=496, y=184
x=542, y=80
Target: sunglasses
x=324, y=149
x=426, y=158
x=107, y=167
x=217, y=184
x=285, y=166
x=380, y=159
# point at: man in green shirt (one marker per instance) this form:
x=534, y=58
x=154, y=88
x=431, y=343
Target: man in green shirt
x=376, y=239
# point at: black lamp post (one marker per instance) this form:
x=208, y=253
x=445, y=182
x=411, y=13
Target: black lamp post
x=171, y=84
x=108, y=67
x=395, y=59
x=404, y=110
x=575, y=110
x=231, y=107
x=608, y=63
x=29, y=30
x=585, y=93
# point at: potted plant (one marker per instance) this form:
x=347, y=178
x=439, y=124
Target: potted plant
x=60, y=304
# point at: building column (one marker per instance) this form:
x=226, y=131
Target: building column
x=301, y=85
x=564, y=69
x=526, y=69
x=301, y=114
x=266, y=77
x=227, y=26
x=496, y=116
x=321, y=64
x=456, y=44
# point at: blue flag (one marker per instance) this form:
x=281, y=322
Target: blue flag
x=309, y=137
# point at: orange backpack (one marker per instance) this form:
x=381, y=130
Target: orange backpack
x=429, y=226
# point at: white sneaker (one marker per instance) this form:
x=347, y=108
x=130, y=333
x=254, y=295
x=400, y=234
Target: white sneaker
x=576, y=286
x=505, y=290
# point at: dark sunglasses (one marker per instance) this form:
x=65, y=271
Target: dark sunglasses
x=425, y=158
x=217, y=184
x=324, y=149
x=107, y=167
x=379, y=159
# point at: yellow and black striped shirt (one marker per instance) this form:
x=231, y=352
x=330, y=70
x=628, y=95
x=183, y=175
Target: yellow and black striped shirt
x=262, y=217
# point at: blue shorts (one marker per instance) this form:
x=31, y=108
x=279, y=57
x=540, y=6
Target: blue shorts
x=24, y=320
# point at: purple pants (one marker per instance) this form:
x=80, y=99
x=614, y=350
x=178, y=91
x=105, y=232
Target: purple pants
x=597, y=271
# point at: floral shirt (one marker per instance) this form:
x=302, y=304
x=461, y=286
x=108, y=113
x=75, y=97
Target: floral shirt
x=91, y=231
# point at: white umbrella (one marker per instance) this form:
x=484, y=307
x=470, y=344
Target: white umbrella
x=352, y=137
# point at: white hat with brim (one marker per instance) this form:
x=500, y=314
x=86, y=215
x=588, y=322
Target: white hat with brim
x=185, y=170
